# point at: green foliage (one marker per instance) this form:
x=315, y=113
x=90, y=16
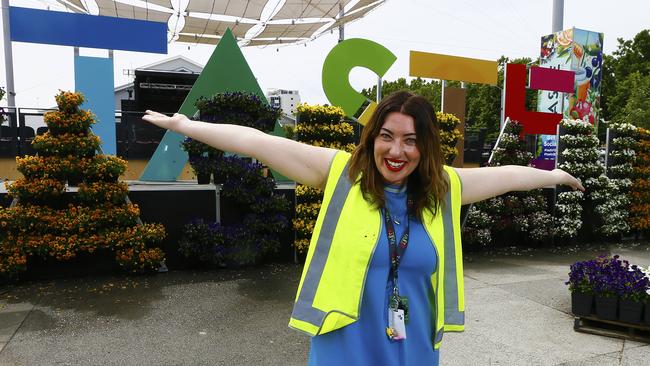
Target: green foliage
x=431, y=90
x=289, y=131
x=631, y=57
x=635, y=108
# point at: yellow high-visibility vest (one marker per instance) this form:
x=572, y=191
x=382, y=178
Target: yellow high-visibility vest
x=345, y=236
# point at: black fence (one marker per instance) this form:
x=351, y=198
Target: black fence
x=135, y=139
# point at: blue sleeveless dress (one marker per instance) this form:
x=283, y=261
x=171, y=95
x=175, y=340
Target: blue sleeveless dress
x=365, y=342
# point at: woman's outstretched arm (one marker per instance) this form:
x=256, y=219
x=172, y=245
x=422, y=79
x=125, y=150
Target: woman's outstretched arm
x=303, y=163
x=483, y=183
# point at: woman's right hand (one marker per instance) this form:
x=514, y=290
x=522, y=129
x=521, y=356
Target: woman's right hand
x=170, y=123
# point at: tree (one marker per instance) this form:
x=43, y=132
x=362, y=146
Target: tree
x=636, y=109
x=631, y=56
x=428, y=89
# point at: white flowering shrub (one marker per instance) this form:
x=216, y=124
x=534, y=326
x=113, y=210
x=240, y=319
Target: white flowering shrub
x=541, y=225
x=611, y=201
x=578, y=155
x=514, y=215
x=568, y=209
x=478, y=228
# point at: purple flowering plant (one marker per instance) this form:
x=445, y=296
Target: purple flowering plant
x=203, y=240
x=609, y=277
x=581, y=276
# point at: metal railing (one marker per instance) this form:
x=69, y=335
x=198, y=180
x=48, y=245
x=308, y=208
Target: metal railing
x=135, y=139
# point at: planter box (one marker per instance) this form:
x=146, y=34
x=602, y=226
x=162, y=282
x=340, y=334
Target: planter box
x=582, y=304
x=606, y=308
x=630, y=311
x=646, y=316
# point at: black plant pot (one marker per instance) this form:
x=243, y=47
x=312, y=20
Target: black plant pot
x=203, y=178
x=606, y=307
x=646, y=316
x=74, y=180
x=582, y=304
x=629, y=311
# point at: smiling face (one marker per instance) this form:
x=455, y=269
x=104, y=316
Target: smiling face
x=396, y=152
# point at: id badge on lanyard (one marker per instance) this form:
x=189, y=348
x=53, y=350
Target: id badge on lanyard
x=398, y=305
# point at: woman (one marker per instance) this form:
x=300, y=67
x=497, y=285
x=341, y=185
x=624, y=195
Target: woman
x=383, y=277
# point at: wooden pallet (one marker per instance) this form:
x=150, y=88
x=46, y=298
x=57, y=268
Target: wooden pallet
x=610, y=328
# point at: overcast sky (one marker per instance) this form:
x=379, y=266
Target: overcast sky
x=483, y=29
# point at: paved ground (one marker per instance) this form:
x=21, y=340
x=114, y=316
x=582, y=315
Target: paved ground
x=517, y=314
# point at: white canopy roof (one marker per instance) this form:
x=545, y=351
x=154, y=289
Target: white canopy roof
x=253, y=22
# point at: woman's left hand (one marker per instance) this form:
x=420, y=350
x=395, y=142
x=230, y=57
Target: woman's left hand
x=567, y=179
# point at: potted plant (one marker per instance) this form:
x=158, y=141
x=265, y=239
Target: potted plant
x=608, y=278
x=105, y=168
x=241, y=247
x=194, y=148
x=633, y=294
x=46, y=191
x=69, y=102
x=202, y=241
x=202, y=167
x=96, y=193
x=59, y=122
x=80, y=145
x=581, y=287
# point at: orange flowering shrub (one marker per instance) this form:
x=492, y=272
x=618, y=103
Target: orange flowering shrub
x=59, y=122
x=105, y=168
x=77, y=144
x=33, y=219
x=69, y=101
x=39, y=226
x=102, y=192
x=639, y=218
x=59, y=167
x=35, y=191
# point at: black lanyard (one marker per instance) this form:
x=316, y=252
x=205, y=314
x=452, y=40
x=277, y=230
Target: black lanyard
x=395, y=252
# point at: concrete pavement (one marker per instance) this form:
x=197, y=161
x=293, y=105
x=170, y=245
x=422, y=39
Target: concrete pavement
x=517, y=313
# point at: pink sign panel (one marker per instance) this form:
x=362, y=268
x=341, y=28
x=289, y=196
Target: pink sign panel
x=549, y=79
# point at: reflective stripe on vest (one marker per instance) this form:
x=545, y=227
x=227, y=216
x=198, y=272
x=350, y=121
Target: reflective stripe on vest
x=453, y=315
x=304, y=310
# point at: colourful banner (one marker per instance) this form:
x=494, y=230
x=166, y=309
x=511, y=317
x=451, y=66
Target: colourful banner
x=579, y=51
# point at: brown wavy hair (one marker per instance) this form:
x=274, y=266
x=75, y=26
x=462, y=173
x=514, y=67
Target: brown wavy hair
x=428, y=183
